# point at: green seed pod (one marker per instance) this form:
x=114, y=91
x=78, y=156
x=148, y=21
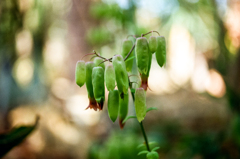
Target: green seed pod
x=152, y=155
x=144, y=77
x=123, y=109
x=152, y=44
x=80, y=73
x=110, y=77
x=92, y=101
x=140, y=104
x=120, y=74
x=97, y=61
x=161, y=51
x=126, y=47
x=113, y=104
x=142, y=54
x=98, y=85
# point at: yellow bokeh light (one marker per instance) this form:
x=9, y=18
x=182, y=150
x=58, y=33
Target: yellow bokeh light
x=181, y=55
x=24, y=43
x=23, y=70
x=215, y=85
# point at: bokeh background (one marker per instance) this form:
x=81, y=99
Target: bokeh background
x=197, y=92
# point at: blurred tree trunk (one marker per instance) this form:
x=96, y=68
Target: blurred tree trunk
x=79, y=21
x=226, y=64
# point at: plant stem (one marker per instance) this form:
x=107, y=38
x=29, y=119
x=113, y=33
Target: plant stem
x=145, y=136
x=142, y=128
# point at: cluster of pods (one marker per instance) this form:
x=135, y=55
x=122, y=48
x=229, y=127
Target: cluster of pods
x=96, y=75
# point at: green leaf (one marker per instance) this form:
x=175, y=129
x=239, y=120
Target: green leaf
x=130, y=58
x=151, y=108
x=143, y=152
x=14, y=137
x=152, y=155
x=143, y=146
x=155, y=148
x=152, y=143
x=129, y=117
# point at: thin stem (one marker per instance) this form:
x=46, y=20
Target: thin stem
x=150, y=32
x=134, y=36
x=98, y=55
x=129, y=52
x=87, y=55
x=145, y=136
x=142, y=128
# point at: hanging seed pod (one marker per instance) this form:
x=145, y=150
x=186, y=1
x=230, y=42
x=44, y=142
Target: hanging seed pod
x=123, y=109
x=140, y=104
x=110, y=77
x=144, y=77
x=142, y=54
x=92, y=101
x=80, y=73
x=98, y=85
x=120, y=74
x=113, y=104
x=126, y=47
x=161, y=51
x=152, y=44
x=97, y=61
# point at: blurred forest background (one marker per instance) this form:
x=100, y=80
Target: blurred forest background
x=197, y=93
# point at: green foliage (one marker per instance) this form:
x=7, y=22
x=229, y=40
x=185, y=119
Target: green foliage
x=128, y=117
x=143, y=152
x=119, y=145
x=98, y=36
x=151, y=108
x=152, y=155
x=14, y=137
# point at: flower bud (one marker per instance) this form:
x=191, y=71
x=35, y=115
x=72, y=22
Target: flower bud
x=98, y=85
x=123, y=109
x=92, y=101
x=140, y=104
x=144, y=77
x=80, y=73
x=120, y=74
x=113, y=104
x=161, y=51
x=142, y=54
x=110, y=77
x=152, y=44
x=126, y=47
x=97, y=61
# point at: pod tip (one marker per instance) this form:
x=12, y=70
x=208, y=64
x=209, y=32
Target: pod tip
x=121, y=124
x=93, y=104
